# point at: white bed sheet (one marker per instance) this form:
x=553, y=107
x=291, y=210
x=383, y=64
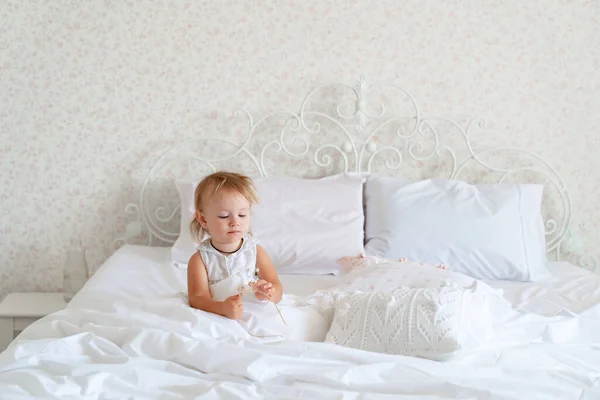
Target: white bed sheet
x=130, y=334
x=570, y=290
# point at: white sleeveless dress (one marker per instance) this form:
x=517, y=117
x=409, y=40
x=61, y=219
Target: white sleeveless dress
x=227, y=273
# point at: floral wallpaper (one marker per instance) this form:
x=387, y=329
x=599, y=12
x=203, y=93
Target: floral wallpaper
x=91, y=92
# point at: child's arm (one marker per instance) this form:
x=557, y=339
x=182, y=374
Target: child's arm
x=267, y=273
x=199, y=292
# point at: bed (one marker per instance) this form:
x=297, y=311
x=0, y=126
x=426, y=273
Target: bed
x=130, y=333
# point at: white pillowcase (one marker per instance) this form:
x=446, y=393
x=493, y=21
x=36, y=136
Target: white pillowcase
x=184, y=246
x=490, y=231
x=430, y=323
x=305, y=225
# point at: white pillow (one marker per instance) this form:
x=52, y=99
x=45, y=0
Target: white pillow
x=490, y=231
x=305, y=225
x=184, y=246
x=432, y=323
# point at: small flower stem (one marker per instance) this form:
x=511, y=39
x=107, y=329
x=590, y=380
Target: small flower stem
x=244, y=289
x=277, y=307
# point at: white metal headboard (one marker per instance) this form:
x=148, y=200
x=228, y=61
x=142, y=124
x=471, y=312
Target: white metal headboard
x=342, y=128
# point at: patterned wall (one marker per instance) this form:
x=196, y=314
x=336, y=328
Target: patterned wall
x=91, y=90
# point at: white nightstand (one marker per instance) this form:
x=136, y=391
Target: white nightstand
x=19, y=310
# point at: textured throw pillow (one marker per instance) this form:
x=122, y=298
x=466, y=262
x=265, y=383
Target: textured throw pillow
x=490, y=231
x=432, y=323
x=481, y=307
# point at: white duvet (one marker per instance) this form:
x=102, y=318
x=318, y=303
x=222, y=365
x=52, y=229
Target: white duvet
x=131, y=334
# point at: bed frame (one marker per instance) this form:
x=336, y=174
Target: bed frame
x=363, y=128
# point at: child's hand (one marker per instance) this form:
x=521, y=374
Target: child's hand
x=263, y=289
x=233, y=307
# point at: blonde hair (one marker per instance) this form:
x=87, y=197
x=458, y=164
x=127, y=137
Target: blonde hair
x=214, y=184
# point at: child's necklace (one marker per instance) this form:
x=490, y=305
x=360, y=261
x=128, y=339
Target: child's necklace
x=227, y=252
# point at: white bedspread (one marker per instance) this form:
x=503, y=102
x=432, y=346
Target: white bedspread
x=131, y=334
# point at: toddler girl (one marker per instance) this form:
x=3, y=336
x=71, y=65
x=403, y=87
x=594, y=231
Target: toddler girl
x=228, y=257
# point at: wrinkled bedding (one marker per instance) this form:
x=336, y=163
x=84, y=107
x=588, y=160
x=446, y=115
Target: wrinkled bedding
x=131, y=334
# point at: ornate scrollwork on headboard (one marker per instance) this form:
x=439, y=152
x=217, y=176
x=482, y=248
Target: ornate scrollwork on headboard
x=362, y=128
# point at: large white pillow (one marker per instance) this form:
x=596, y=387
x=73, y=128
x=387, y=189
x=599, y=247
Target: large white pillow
x=305, y=225
x=492, y=231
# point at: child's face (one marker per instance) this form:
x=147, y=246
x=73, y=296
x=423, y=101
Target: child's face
x=226, y=217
